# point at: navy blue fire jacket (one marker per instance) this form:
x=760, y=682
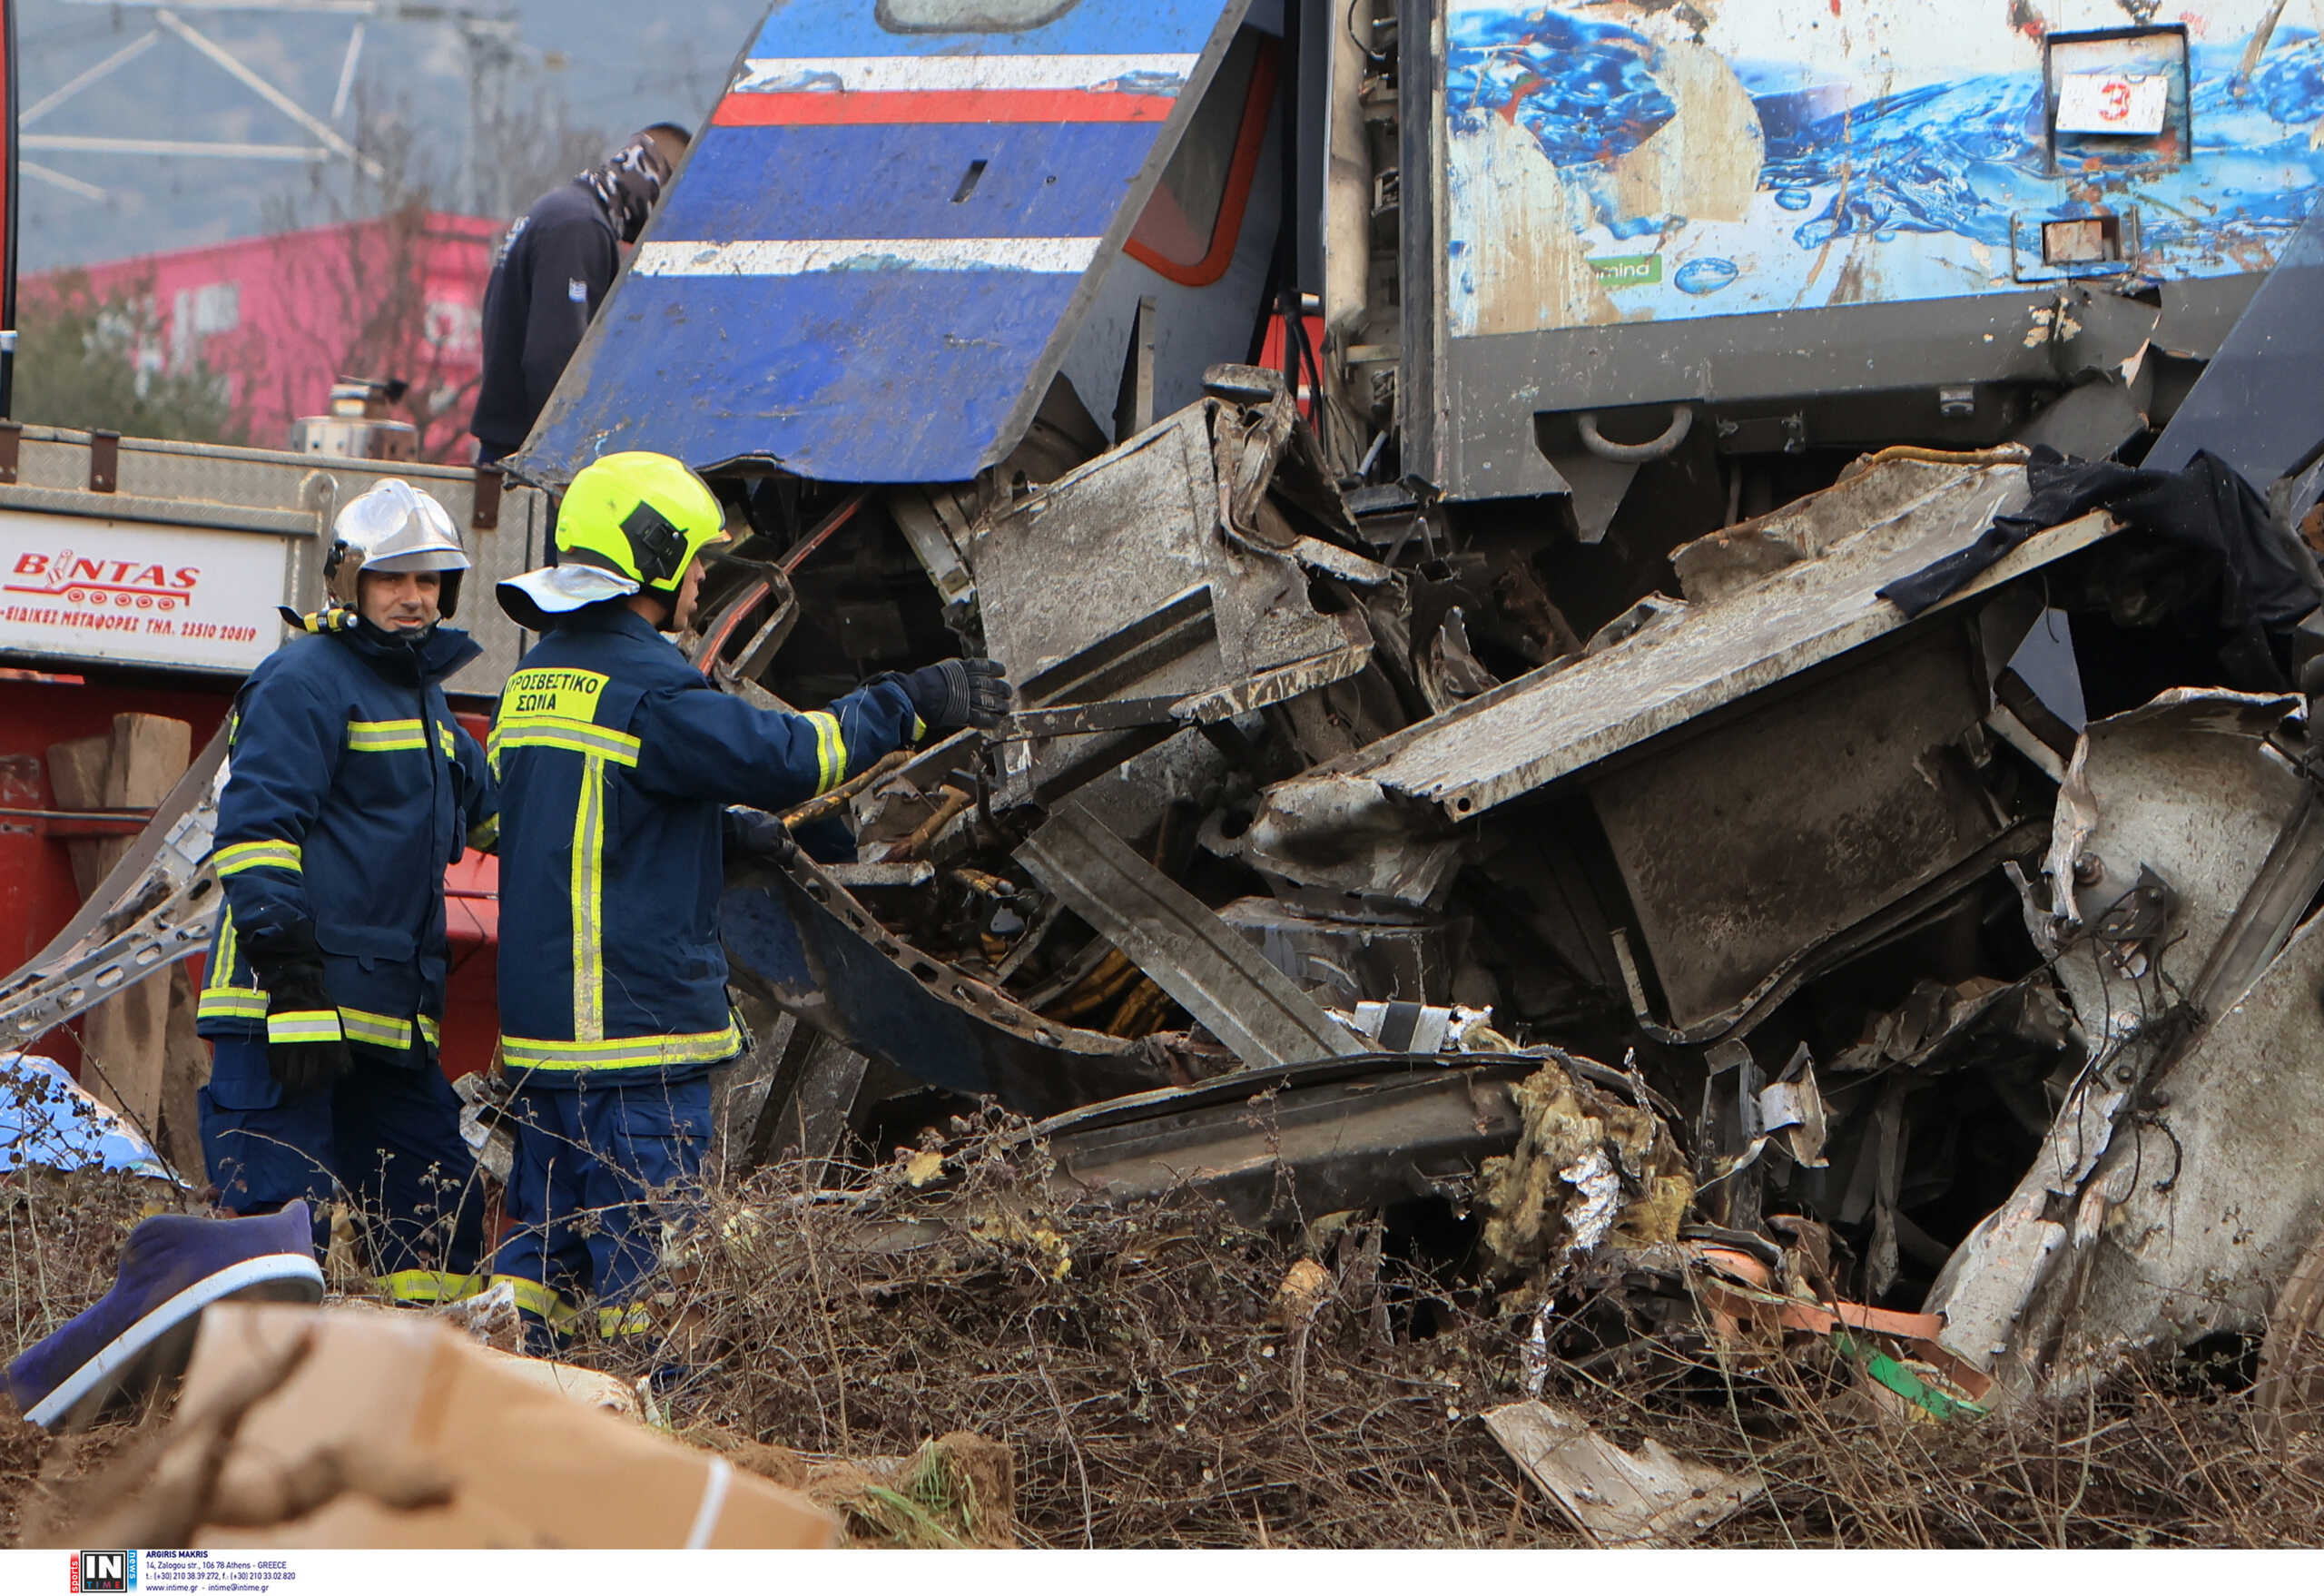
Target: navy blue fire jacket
x=614, y=759
x=349, y=787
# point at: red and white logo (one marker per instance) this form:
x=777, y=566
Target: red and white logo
x=104, y=583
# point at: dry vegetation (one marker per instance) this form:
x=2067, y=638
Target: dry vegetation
x=1157, y=1387
x=61, y=1241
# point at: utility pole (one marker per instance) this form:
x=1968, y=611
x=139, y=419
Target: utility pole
x=8, y=178
x=489, y=37
x=491, y=47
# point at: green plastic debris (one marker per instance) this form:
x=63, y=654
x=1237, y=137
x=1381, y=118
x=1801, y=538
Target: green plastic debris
x=1903, y=1380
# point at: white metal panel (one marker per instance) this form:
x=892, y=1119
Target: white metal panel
x=133, y=592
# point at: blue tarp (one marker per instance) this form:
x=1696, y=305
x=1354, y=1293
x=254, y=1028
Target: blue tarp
x=48, y=1121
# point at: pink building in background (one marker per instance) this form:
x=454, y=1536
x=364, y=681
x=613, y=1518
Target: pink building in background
x=279, y=317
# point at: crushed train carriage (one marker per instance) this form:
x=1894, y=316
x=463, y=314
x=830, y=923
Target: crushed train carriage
x=1529, y=542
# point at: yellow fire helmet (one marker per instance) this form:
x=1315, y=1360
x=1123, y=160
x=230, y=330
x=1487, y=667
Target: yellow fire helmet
x=631, y=522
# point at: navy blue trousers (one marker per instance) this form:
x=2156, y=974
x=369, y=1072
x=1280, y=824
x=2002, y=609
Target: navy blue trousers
x=387, y=1136
x=598, y=1171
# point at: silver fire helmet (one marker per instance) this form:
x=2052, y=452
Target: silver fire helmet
x=393, y=527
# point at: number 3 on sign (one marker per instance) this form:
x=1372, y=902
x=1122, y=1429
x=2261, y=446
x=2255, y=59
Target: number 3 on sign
x=2112, y=103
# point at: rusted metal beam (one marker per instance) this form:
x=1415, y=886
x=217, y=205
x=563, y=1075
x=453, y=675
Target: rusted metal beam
x=1211, y=969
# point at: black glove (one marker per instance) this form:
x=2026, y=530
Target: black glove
x=959, y=693
x=756, y=835
x=296, y=986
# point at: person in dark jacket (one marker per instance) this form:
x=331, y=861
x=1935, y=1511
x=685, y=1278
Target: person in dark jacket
x=349, y=787
x=617, y=761
x=552, y=273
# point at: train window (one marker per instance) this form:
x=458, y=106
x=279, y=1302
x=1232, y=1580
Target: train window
x=969, y=16
x=1190, y=226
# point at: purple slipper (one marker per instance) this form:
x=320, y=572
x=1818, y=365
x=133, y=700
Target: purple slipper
x=140, y=1331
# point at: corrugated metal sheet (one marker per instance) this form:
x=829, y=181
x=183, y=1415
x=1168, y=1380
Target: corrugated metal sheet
x=874, y=256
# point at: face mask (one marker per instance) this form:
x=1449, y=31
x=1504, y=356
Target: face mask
x=628, y=184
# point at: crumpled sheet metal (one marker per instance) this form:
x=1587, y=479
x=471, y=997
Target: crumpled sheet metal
x=1290, y=1145
x=1275, y=1146
x=158, y=905
x=806, y=945
x=1426, y=1027
x=1526, y=733
x=1728, y=561
x=1343, y=834
x=2205, y=1202
x=48, y=1120
x=1652, y=1497
x=2132, y=768
x=1939, y=1022
x=2185, y=791
x=1792, y=1106
x=1178, y=516
x=1340, y=959
x=1805, y=813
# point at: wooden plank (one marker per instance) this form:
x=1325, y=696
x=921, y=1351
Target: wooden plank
x=186, y=1070
x=76, y=776
x=124, y=1041
x=150, y=752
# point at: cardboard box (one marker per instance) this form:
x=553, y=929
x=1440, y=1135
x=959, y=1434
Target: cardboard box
x=530, y=1465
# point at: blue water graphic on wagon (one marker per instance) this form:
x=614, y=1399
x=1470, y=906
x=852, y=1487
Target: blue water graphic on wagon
x=1936, y=187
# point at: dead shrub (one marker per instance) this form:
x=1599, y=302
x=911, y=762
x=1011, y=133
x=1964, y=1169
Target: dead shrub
x=1165, y=1376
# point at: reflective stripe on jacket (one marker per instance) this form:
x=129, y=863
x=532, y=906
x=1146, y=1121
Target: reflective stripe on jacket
x=349, y=788
x=615, y=758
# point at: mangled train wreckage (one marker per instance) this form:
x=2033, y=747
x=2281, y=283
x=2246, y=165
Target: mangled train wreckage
x=1732, y=690
x=2017, y=1012
x=1803, y=761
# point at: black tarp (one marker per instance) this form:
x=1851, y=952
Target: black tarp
x=2266, y=578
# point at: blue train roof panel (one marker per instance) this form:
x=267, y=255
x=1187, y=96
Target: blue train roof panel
x=877, y=251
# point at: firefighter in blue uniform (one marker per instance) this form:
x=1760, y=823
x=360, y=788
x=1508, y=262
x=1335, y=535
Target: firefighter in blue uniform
x=349, y=787
x=617, y=761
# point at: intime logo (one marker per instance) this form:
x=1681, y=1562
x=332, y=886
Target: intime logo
x=104, y=1571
